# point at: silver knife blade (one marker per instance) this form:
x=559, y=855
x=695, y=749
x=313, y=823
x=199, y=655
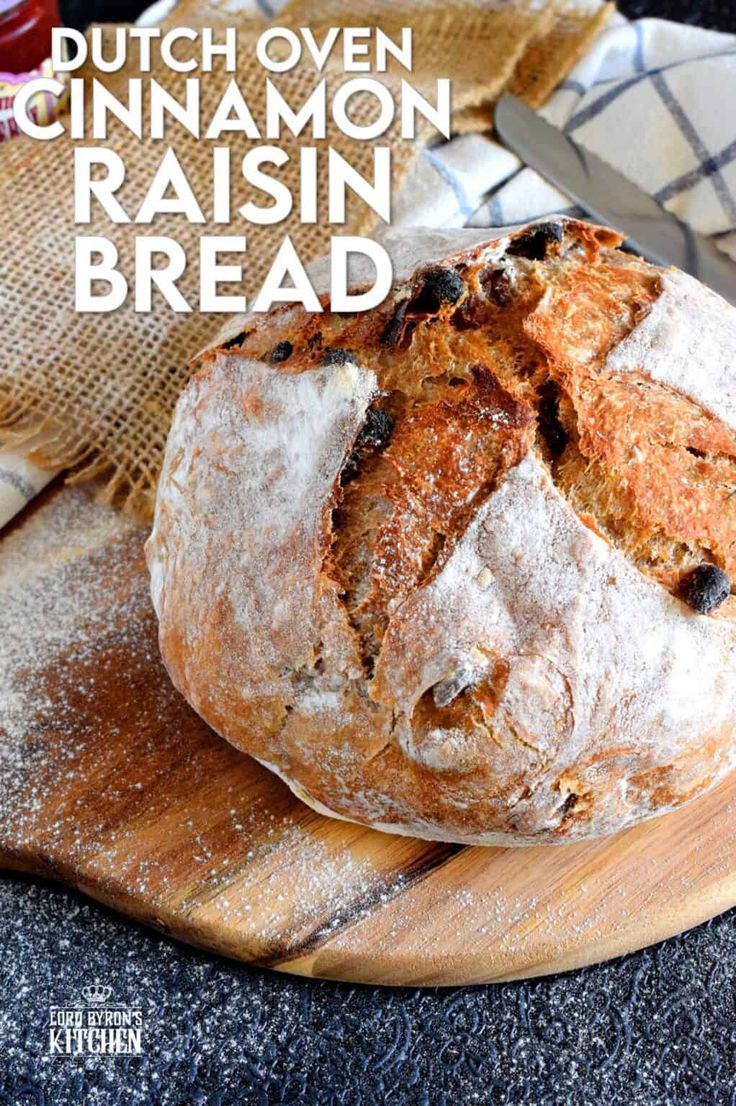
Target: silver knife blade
x=610, y=198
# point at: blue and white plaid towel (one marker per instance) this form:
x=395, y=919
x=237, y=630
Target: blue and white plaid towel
x=657, y=100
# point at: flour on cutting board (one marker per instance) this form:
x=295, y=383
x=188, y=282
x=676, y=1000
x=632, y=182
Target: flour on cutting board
x=44, y=588
x=64, y=595
x=261, y=871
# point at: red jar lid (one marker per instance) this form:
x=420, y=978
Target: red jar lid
x=25, y=33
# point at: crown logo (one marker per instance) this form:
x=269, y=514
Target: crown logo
x=96, y=993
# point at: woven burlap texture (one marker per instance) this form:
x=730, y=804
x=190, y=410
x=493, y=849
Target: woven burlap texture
x=106, y=384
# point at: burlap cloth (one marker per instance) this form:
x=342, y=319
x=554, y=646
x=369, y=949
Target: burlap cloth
x=106, y=384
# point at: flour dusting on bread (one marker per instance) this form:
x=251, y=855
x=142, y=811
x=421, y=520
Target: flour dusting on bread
x=254, y=544
x=687, y=341
x=459, y=567
x=603, y=666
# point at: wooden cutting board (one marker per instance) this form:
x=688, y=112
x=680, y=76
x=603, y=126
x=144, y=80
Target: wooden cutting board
x=109, y=782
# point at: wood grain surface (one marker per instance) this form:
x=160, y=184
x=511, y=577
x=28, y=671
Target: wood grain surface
x=112, y=784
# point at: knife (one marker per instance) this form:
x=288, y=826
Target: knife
x=610, y=198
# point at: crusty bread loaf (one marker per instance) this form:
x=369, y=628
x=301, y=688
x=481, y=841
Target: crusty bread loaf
x=459, y=567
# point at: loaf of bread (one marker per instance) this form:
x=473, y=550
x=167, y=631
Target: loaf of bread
x=459, y=567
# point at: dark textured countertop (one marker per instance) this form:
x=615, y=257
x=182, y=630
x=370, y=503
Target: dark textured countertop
x=657, y=1028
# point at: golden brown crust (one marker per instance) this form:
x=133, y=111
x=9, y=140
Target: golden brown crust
x=443, y=457
x=433, y=620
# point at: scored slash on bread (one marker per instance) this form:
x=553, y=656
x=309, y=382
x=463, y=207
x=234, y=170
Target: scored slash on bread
x=460, y=566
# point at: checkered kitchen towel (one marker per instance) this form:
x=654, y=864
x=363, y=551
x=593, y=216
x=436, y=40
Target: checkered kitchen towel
x=655, y=99
x=20, y=479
